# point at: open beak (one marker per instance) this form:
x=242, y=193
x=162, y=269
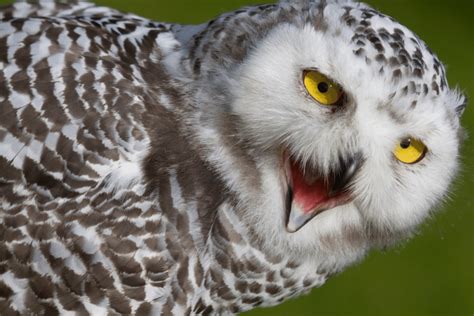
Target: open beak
x=308, y=196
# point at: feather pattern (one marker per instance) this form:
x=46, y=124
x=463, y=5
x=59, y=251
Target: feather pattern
x=130, y=181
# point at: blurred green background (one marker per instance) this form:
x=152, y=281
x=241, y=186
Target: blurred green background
x=433, y=274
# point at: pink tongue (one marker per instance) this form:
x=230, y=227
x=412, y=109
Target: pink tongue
x=307, y=196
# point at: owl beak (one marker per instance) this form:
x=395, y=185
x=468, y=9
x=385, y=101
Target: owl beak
x=306, y=199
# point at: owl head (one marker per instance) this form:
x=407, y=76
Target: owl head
x=337, y=128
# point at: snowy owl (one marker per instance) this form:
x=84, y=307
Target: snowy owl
x=154, y=168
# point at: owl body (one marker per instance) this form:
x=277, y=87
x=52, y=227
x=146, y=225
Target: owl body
x=145, y=167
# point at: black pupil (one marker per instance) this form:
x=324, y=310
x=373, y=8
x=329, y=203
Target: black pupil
x=323, y=87
x=405, y=143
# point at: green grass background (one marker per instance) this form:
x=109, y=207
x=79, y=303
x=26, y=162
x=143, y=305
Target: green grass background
x=433, y=274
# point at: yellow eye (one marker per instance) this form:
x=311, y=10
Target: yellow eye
x=321, y=88
x=410, y=150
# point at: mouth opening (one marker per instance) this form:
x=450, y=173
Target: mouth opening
x=311, y=192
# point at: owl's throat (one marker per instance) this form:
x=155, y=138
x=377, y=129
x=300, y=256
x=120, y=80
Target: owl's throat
x=311, y=193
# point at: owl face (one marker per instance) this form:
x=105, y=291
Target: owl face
x=356, y=134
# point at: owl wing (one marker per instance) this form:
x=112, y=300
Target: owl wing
x=75, y=90
x=72, y=97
